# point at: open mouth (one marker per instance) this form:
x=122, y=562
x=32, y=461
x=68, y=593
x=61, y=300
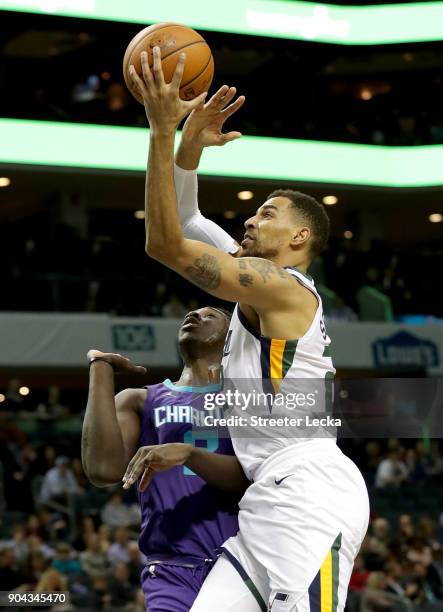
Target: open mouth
x=246, y=238
x=191, y=322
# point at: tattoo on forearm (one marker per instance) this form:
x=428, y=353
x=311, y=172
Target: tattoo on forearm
x=245, y=280
x=242, y=264
x=205, y=272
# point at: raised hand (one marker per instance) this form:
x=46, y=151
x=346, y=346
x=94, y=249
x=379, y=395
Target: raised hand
x=119, y=363
x=204, y=125
x=163, y=105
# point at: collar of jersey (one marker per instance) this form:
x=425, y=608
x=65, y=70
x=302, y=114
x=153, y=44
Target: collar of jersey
x=305, y=274
x=206, y=389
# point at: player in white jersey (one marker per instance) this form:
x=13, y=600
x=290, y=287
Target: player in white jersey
x=304, y=516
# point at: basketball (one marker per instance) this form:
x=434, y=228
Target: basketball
x=172, y=39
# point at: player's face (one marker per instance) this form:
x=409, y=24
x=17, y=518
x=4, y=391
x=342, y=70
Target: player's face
x=270, y=230
x=207, y=326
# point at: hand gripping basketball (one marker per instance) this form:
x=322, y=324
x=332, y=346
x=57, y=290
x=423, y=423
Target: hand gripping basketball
x=163, y=105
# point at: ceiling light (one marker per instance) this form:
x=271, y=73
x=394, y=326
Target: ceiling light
x=4, y=181
x=366, y=94
x=435, y=217
x=2, y=397
x=24, y=390
x=330, y=200
x=139, y=214
x=245, y=195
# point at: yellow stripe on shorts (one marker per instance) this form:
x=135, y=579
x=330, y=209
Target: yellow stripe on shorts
x=326, y=584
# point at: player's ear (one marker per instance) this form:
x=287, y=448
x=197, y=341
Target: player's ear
x=300, y=236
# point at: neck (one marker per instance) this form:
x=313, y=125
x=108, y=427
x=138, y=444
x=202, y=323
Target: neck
x=196, y=372
x=286, y=261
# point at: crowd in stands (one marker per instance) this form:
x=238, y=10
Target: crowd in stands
x=47, y=267
x=58, y=532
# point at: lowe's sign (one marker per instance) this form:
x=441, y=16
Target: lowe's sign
x=405, y=349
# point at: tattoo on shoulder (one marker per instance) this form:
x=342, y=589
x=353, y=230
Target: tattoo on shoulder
x=205, y=272
x=266, y=268
x=245, y=279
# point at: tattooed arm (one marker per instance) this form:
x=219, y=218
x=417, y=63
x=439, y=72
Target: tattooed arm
x=252, y=281
x=249, y=280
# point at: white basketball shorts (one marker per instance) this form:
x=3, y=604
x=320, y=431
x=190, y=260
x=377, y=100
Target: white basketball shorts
x=302, y=522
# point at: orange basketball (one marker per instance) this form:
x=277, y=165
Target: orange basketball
x=172, y=39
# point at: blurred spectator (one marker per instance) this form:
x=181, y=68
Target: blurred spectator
x=136, y=562
x=416, y=469
x=374, y=597
x=174, y=308
x=119, y=588
x=46, y=458
x=415, y=591
x=435, y=465
x=379, y=541
x=94, y=561
x=85, y=528
x=419, y=552
x=26, y=469
x=48, y=525
x=104, y=537
x=119, y=549
x=115, y=513
x=52, y=409
x=426, y=531
x=391, y=471
x=372, y=457
x=406, y=527
x=79, y=474
x=10, y=576
x=394, y=574
x=59, y=482
x=52, y=581
x=65, y=560
x=35, y=567
x=17, y=542
x=359, y=575
x=37, y=545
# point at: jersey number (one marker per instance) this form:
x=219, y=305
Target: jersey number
x=210, y=442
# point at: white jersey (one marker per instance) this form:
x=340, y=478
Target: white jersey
x=283, y=370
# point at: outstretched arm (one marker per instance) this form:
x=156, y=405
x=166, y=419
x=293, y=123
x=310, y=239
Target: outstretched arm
x=221, y=471
x=203, y=128
x=253, y=281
